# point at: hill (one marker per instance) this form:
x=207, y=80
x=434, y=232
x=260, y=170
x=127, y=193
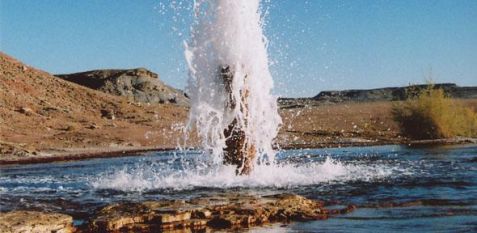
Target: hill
x=394, y=93
x=45, y=118
x=377, y=95
x=42, y=115
x=139, y=85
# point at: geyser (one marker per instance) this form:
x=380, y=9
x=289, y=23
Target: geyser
x=230, y=84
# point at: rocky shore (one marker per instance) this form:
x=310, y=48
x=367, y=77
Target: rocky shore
x=28, y=157
x=228, y=211
x=35, y=221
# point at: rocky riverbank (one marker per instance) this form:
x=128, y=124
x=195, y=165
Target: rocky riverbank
x=228, y=211
x=35, y=221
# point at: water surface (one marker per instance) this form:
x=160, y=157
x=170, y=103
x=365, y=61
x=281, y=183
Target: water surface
x=443, y=178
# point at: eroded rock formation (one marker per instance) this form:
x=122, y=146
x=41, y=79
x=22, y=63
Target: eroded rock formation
x=239, y=150
x=230, y=211
x=140, y=85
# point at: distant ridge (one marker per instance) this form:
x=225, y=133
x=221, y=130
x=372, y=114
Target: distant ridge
x=379, y=94
x=393, y=93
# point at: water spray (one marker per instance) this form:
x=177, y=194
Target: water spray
x=230, y=84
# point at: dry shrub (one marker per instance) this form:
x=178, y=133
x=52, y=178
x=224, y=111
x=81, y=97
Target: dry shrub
x=432, y=115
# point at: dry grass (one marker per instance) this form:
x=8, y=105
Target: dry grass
x=431, y=115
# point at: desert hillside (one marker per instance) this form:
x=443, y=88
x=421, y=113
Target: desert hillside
x=43, y=114
x=385, y=94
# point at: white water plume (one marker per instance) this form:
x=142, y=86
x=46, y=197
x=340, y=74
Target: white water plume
x=272, y=176
x=229, y=33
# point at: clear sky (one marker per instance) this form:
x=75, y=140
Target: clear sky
x=314, y=45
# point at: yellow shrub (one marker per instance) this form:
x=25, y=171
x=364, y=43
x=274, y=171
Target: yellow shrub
x=431, y=115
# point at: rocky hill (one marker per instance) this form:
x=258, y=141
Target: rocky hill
x=139, y=85
x=45, y=118
x=393, y=93
x=40, y=113
x=377, y=95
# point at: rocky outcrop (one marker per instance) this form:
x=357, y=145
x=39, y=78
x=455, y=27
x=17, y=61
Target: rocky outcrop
x=16, y=150
x=33, y=221
x=230, y=211
x=393, y=93
x=140, y=85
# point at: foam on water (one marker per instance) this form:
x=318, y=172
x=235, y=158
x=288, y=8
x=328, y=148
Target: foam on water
x=220, y=176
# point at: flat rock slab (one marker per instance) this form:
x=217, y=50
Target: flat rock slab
x=230, y=211
x=35, y=222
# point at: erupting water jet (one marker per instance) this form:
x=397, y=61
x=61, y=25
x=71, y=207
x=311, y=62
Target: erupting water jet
x=230, y=83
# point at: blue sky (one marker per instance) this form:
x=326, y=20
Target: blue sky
x=314, y=45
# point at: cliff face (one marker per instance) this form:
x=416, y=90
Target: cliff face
x=139, y=85
x=393, y=93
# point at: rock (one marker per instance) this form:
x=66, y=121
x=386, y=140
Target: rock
x=15, y=150
x=239, y=151
x=140, y=85
x=70, y=128
x=108, y=114
x=25, y=110
x=224, y=212
x=118, y=216
x=171, y=216
x=34, y=221
x=93, y=126
x=346, y=210
x=222, y=222
x=202, y=213
x=198, y=223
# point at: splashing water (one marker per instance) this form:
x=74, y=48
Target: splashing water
x=229, y=33
x=285, y=175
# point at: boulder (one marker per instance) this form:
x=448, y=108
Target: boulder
x=25, y=110
x=108, y=114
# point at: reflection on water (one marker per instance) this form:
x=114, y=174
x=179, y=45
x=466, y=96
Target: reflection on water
x=366, y=176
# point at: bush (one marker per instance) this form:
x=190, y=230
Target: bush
x=431, y=115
